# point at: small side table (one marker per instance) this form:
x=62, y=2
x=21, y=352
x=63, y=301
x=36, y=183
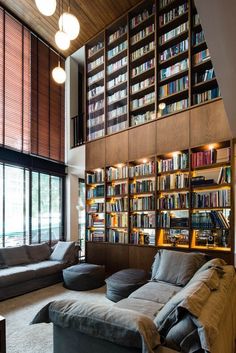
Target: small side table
x=2, y=335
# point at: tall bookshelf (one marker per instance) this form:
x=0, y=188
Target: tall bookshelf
x=150, y=63
x=179, y=200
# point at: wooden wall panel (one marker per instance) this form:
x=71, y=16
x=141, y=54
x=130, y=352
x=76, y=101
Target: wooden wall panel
x=96, y=253
x=95, y=154
x=173, y=133
x=117, y=257
x=142, y=141
x=209, y=123
x=117, y=148
x=141, y=257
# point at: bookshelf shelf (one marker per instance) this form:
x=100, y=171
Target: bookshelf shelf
x=118, y=40
x=143, y=22
x=149, y=54
x=142, y=107
x=143, y=91
x=178, y=38
x=96, y=69
x=117, y=87
x=139, y=42
x=117, y=56
x=120, y=100
x=174, y=95
x=178, y=57
x=143, y=74
x=96, y=54
x=208, y=83
x=213, y=165
x=211, y=187
x=174, y=23
x=171, y=191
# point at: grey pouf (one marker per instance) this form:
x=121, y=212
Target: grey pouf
x=121, y=284
x=84, y=276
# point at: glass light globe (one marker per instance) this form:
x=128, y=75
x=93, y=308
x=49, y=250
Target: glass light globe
x=46, y=7
x=69, y=24
x=62, y=40
x=59, y=74
x=162, y=106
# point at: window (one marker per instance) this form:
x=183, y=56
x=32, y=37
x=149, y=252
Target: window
x=81, y=218
x=30, y=206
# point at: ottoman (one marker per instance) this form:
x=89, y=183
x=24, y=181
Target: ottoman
x=84, y=276
x=121, y=284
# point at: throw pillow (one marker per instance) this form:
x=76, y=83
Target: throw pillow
x=178, y=267
x=63, y=251
x=16, y=255
x=38, y=252
x=156, y=263
x=2, y=263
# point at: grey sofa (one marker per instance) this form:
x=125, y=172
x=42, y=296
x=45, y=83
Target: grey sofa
x=188, y=306
x=29, y=267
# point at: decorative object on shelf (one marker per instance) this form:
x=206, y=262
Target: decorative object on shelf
x=69, y=24
x=46, y=7
x=59, y=74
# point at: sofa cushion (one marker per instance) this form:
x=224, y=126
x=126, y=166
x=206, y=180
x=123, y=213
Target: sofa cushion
x=38, y=252
x=210, y=277
x=158, y=292
x=156, y=263
x=142, y=306
x=15, y=274
x=2, y=262
x=16, y=255
x=46, y=268
x=178, y=267
x=63, y=251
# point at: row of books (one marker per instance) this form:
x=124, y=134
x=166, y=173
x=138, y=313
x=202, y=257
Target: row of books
x=209, y=220
x=172, y=14
x=142, y=220
x=95, y=235
x=96, y=120
x=174, y=69
x=119, y=205
x=163, y=3
x=146, y=99
x=174, y=87
x=98, y=191
x=136, y=20
x=95, y=134
x=142, y=169
x=142, y=186
x=204, y=76
x=142, y=68
x=143, y=117
x=198, y=38
x=95, y=78
x=114, y=173
x=117, y=65
x=176, y=106
x=117, y=80
x=211, y=156
x=142, y=203
x=142, y=238
x=95, y=106
x=178, y=161
x=95, y=63
x=174, y=50
x=196, y=19
x=96, y=177
x=95, y=91
x=143, y=84
x=206, y=96
x=95, y=220
x=173, y=33
x=201, y=56
x=95, y=207
x=95, y=49
x=117, y=236
x=116, y=50
x=117, y=112
x=142, y=34
x=173, y=201
x=118, y=125
x=168, y=220
x=117, y=96
x=117, y=220
x=172, y=181
x=142, y=51
x=117, y=189
x=219, y=198
x=117, y=34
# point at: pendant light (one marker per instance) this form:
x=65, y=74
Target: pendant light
x=46, y=7
x=59, y=74
x=70, y=24
x=61, y=37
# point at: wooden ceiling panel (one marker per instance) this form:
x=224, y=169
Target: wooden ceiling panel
x=93, y=15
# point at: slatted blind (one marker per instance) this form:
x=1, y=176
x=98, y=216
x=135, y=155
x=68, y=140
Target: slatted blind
x=15, y=57
x=47, y=105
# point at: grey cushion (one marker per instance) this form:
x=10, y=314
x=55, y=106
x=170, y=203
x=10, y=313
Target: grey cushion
x=156, y=263
x=84, y=276
x=14, y=275
x=178, y=267
x=62, y=251
x=142, y=306
x=45, y=268
x=38, y=252
x=157, y=292
x=122, y=283
x=16, y=255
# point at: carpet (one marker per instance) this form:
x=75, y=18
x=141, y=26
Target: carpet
x=19, y=311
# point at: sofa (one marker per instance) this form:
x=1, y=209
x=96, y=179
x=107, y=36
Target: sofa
x=29, y=267
x=188, y=306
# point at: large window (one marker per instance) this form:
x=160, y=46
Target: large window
x=30, y=206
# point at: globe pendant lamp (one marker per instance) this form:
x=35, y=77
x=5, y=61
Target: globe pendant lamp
x=46, y=7
x=62, y=39
x=70, y=24
x=59, y=74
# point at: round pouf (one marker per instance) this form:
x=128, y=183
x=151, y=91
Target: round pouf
x=84, y=276
x=121, y=284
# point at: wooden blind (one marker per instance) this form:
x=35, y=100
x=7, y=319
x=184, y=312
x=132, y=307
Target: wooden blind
x=15, y=57
x=47, y=105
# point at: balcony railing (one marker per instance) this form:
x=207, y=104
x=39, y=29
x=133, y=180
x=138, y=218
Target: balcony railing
x=78, y=135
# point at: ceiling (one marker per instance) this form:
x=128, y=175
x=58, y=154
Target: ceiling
x=93, y=16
